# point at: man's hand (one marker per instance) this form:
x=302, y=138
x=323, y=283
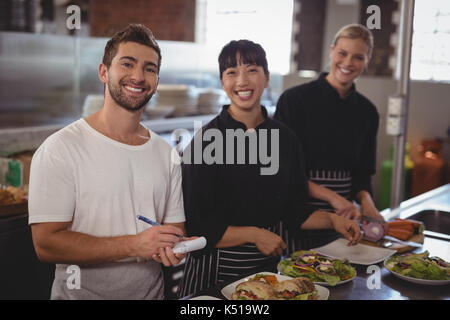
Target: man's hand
x=349, y=228
x=168, y=258
x=149, y=242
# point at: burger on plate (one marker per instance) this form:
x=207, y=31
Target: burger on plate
x=253, y=290
x=296, y=289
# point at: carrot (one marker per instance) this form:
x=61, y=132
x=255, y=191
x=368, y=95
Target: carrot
x=271, y=280
x=401, y=225
x=408, y=230
x=400, y=233
x=415, y=224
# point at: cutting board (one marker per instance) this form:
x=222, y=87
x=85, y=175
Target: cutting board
x=418, y=238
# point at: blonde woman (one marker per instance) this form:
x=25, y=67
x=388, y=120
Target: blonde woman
x=337, y=127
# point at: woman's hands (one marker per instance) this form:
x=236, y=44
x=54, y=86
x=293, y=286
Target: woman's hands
x=368, y=208
x=349, y=228
x=345, y=208
x=342, y=206
x=269, y=243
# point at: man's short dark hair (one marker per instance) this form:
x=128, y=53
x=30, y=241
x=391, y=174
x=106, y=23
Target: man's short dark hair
x=132, y=33
x=250, y=53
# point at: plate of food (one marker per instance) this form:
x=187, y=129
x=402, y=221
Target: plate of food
x=320, y=269
x=271, y=286
x=204, y=298
x=419, y=268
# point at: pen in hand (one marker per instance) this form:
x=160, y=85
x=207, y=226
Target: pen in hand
x=152, y=223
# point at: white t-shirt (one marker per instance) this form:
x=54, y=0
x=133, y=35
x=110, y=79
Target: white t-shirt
x=78, y=175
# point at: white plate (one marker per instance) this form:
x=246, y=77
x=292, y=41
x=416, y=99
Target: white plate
x=358, y=254
x=322, y=293
x=419, y=281
x=205, y=298
x=324, y=283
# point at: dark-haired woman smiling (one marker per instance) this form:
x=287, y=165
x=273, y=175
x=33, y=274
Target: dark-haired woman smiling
x=247, y=216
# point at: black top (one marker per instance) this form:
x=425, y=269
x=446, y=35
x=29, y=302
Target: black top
x=336, y=134
x=220, y=195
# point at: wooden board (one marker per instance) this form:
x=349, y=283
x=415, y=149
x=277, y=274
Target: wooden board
x=418, y=238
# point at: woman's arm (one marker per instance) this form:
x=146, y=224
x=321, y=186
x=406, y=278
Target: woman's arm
x=327, y=220
x=267, y=242
x=366, y=168
x=368, y=207
x=342, y=206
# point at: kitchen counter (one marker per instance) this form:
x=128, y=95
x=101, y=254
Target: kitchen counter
x=436, y=199
x=391, y=287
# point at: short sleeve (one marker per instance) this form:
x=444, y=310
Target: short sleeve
x=51, y=188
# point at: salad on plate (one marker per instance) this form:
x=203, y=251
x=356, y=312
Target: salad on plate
x=320, y=269
x=419, y=266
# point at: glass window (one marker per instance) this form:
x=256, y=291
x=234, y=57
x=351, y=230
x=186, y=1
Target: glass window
x=431, y=41
x=268, y=23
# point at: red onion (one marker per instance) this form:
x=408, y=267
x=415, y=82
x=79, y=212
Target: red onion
x=330, y=270
x=373, y=231
x=304, y=264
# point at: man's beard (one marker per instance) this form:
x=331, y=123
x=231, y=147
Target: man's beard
x=116, y=92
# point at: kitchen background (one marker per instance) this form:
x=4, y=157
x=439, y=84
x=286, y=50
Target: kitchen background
x=48, y=71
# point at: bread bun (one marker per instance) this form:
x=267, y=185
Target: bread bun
x=305, y=283
x=253, y=290
x=288, y=285
x=298, y=289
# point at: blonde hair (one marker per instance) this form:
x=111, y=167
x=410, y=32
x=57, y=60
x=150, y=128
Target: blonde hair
x=355, y=31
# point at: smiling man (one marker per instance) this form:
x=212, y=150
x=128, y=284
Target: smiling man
x=89, y=180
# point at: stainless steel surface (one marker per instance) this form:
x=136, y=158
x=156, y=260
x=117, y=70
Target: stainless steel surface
x=47, y=77
x=404, y=59
x=436, y=235
x=437, y=199
x=434, y=220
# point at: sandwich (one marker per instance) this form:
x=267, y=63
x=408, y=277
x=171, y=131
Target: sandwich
x=296, y=289
x=253, y=290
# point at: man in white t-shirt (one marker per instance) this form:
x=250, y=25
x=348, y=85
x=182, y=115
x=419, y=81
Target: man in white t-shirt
x=90, y=180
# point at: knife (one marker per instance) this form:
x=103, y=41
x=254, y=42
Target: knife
x=369, y=219
x=406, y=243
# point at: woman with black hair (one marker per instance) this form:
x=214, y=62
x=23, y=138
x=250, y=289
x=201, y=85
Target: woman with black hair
x=246, y=213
